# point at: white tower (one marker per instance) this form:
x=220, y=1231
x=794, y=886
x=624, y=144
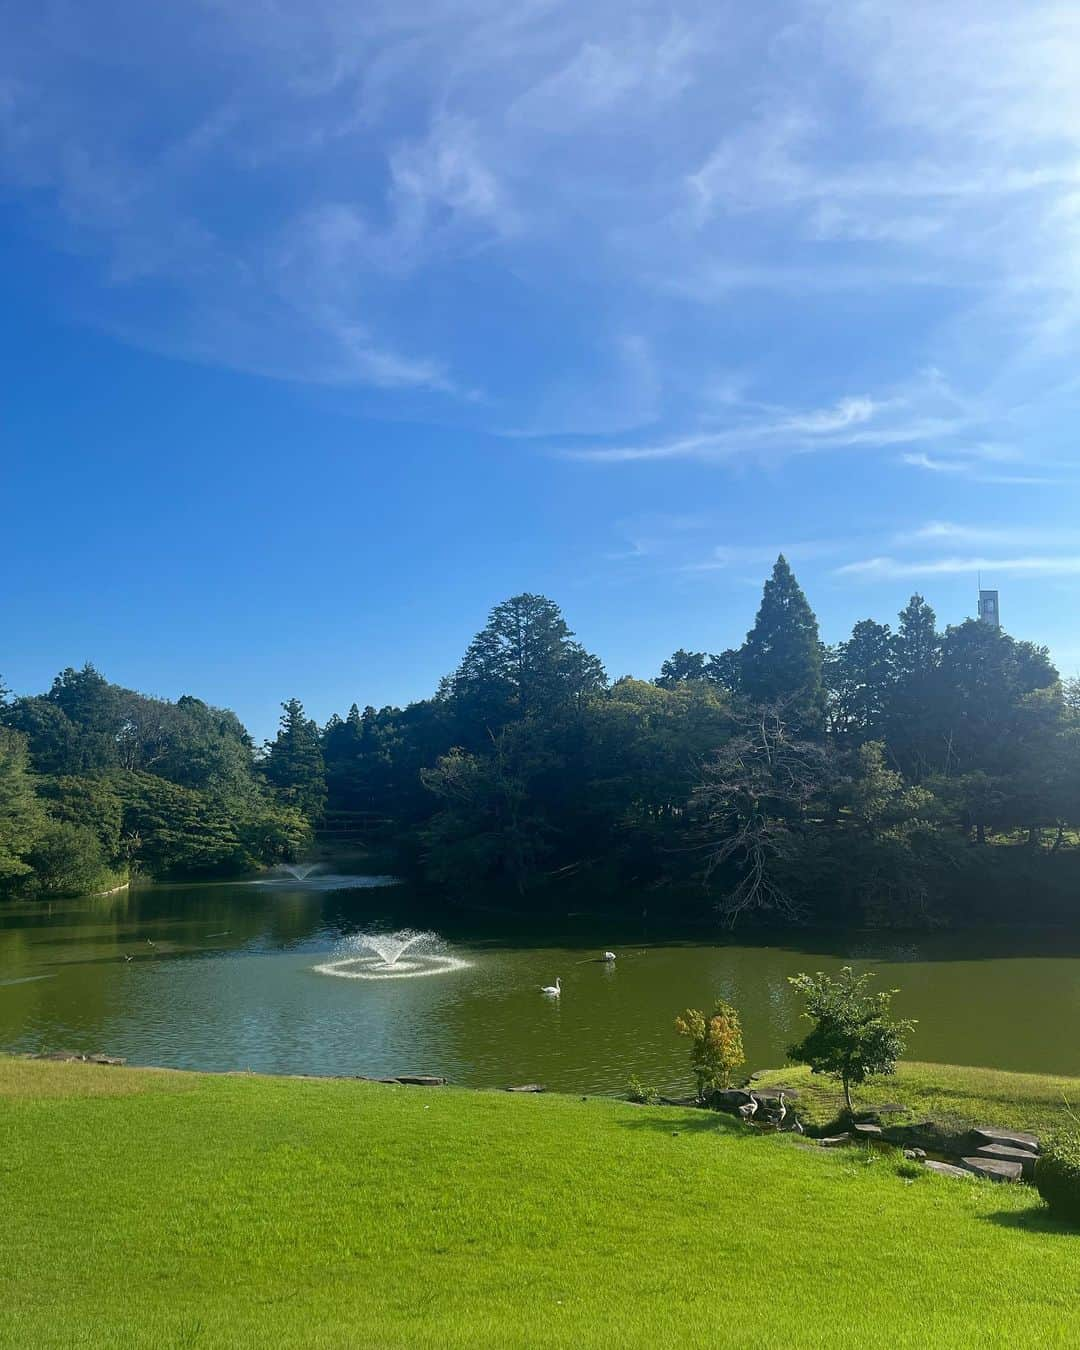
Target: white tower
x=988, y=608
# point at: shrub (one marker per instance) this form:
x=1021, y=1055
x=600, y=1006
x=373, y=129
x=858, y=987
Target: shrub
x=716, y=1048
x=636, y=1091
x=1057, y=1174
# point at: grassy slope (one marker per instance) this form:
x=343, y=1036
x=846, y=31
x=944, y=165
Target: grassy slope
x=159, y=1209
x=957, y=1097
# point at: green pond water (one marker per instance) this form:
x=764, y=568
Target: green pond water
x=226, y=977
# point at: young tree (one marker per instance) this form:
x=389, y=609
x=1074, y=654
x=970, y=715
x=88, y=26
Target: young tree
x=782, y=657
x=716, y=1047
x=853, y=1037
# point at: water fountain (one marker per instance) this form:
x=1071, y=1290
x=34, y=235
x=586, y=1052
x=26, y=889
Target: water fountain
x=393, y=956
x=291, y=876
x=299, y=870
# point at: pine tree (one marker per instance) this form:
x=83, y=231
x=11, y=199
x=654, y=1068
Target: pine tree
x=781, y=658
x=523, y=663
x=294, y=761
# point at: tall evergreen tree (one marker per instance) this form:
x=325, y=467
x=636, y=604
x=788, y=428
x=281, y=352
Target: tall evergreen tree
x=294, y=761
x=781, y=659
x=523, y=663
x=913, y=733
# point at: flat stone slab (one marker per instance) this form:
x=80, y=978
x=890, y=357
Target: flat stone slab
x=997, y=1169
x=835, y=1140
x=987, y=1135
x=533, y=1087
x=1005, y=1153
x=947, y=1169
x=867, y=1131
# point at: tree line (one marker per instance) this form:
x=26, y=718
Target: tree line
x=905, y=775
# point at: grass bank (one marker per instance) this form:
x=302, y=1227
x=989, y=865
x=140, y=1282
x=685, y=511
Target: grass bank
x=158, y=1209
x=954, y=1096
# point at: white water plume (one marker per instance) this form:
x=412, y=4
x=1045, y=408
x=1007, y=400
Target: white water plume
x=402, y=955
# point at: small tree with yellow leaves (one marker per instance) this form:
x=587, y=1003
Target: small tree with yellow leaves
x=716, y=1048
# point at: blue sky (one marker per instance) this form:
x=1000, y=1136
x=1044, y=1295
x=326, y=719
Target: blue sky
x=331, y=325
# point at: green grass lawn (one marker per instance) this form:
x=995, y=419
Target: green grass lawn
x=158, y=1209
x=955, y=1096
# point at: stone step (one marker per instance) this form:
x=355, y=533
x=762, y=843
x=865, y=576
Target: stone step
x=1005, y=1153
x=986, y=1135
x=947, y=1169
x=997, y=1169
x=835, y=1140
x=867, y=1131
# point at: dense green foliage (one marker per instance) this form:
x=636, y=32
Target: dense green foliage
x=153, y=1209
x=97, y=781
x=899, y=777
x=1057, y=1174
x=854, y=1036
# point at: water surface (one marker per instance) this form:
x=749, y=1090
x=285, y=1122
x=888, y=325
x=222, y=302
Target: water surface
x=223, y=977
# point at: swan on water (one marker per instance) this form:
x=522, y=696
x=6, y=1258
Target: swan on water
x=609, y=956
x=553, y=989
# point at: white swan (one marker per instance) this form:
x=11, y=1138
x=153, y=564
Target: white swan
x=553, y=989
x=609, y=956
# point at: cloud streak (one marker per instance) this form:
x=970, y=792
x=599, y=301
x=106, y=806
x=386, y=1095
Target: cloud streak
x=892, y=569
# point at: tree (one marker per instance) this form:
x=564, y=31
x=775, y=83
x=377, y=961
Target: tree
x=21, y=817
x=681, y=665
x=751, y=805
x=491, y=827
x=724, y=669
x=294, y=761
x=853, y=1037
x=781, y=658
x=67, y=859
x=523, y=663
x=93, y=706
x=910, y=730
x=716, y=1047
x=860, y=676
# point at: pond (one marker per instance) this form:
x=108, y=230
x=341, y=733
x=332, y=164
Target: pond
x=228, y=977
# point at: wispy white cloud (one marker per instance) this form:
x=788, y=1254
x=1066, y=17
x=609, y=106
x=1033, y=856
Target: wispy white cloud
x=403, y=195
x=890, y=568
x=921, y=411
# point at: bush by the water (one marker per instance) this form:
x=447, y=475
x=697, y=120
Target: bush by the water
x=716, y=1047
x=1057, y=1174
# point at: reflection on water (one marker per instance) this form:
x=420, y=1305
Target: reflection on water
x=228, y=977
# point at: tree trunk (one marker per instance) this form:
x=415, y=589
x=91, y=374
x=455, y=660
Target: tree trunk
x=847, y=1098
